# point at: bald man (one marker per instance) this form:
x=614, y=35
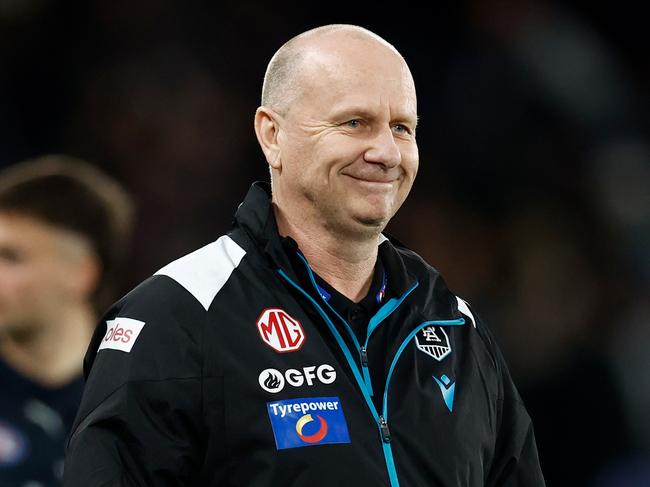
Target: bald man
x=305, y=348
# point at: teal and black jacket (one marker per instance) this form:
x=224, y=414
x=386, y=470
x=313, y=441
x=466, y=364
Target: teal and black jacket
x=229, y=367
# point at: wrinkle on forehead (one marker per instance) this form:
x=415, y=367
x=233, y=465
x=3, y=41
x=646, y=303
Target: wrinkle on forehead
x=338, y=69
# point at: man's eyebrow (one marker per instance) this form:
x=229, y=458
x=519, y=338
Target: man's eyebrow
x=352, y=112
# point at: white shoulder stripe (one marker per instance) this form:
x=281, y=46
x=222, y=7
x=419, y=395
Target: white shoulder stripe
x=463, y=308
x=206, y=270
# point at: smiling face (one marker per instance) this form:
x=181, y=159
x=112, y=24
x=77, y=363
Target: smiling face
x=346, y=151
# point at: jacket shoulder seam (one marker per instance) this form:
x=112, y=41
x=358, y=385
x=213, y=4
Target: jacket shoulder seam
x=204, y=272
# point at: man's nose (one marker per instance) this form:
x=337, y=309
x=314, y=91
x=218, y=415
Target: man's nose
x=383, y=149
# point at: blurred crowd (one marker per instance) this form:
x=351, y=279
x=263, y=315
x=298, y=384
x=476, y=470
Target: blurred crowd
x=533, y=197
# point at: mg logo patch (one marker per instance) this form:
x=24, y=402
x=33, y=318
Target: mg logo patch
x=433, y=341
x=307, y=422
x=280, y=331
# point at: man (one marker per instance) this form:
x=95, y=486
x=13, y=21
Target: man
x=63, y=226
x=304, y=347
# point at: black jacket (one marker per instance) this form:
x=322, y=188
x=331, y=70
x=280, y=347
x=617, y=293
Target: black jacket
x=227, y=368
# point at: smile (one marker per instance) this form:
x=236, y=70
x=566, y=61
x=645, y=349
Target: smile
x=378, y=183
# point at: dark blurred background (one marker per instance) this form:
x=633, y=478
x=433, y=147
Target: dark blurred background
x=533, y=197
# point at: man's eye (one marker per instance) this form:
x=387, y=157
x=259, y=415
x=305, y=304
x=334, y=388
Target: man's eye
x=10, y=255
x=401, y=129
x=353, y=123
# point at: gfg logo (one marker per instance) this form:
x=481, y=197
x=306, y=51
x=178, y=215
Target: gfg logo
x=272, y=380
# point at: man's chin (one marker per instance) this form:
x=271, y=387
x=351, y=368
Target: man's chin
x=372, y=221
x=371, y=224
x=374, y=215
x=16, y=330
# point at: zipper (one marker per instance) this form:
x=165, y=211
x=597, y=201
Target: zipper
x=385, y=432
x=364, y=356
x=383, y=313
x=363, y=377
x=363, y=351
x=388, y=452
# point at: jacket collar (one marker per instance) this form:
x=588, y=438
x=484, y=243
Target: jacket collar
x=255, y=215
x=403, y=267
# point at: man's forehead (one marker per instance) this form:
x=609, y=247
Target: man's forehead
x=344, y=86
x=342, y=54
x=353, y=65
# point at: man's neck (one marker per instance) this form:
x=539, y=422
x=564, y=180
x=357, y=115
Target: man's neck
x=346, y=264
x=52, y=354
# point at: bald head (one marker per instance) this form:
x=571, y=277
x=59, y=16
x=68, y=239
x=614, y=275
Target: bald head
x=284, y=78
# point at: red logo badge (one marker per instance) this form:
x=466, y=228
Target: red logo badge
x=280, y=331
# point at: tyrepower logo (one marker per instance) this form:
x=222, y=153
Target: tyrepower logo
x=308, y=421
x=272, y=380
x=280, y=331
x=121, y=334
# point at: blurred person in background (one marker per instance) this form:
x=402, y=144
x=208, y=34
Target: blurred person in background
x=304, y=347
x=64, y=227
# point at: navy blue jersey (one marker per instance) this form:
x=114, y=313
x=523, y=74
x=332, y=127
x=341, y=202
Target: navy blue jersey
x=34, y=423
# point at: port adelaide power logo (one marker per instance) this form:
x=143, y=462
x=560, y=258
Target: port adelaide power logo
x=434, y=341
x=273, y=380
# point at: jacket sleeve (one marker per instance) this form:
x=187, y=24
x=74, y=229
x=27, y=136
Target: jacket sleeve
x=139, y=422
x=516, y=461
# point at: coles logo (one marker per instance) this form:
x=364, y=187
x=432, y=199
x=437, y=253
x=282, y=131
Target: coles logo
x=121, y=334
x=272, y=380
x=280, y=331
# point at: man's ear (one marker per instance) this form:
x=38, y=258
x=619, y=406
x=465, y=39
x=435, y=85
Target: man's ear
x=266, y=129
x=80, y=270
x=90, y=276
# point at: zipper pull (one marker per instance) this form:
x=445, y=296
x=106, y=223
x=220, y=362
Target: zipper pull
x=363, y=351
x=364, y=356
x=385, y=432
